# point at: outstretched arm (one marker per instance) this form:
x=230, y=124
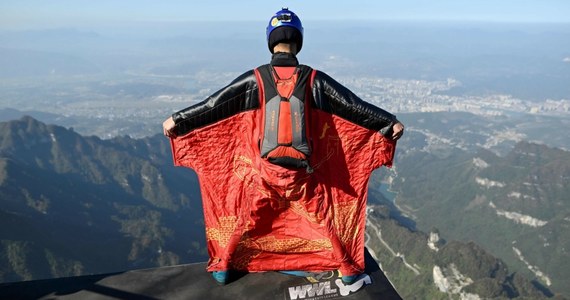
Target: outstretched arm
x=333, y=97
x=240, y=95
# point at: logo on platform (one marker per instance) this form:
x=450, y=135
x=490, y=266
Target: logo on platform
x=329, y=289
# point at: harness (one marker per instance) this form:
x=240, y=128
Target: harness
x=285, y=141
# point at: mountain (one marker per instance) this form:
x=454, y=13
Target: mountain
x=515, y=204
x=72, y=205
x=426, y=266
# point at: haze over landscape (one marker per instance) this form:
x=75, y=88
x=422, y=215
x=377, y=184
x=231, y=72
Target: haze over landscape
x=482, y=87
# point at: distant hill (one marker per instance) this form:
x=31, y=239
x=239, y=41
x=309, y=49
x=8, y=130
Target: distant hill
x=30, y=63
x=48, y=53
x=72, y=205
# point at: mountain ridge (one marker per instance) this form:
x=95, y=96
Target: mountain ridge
x=88, y=194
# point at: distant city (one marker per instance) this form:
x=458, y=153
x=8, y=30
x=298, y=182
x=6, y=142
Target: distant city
x=430, y=96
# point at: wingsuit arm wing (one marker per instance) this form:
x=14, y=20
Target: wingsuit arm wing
x=240, y=95
x=334, y=98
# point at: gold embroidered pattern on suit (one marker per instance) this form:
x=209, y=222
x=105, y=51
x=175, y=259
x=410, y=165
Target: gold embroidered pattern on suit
x=296, y=245
x=224, y=230
x=344, y=220
x=249, y=248
x=245, y=171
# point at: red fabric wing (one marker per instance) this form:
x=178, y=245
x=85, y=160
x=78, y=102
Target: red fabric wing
x=263, y=217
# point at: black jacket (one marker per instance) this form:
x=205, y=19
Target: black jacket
x=242, y=94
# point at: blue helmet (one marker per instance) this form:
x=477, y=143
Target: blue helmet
x=284, y=26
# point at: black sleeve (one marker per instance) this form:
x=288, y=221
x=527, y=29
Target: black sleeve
x=240, y=95
x=334, y=98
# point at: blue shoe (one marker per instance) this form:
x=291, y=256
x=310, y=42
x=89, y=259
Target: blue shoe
x=221, y=277
x=349, y=279
x=297, y=273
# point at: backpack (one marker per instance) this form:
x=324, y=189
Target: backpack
x=285, y=132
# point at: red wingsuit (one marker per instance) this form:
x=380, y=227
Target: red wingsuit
x=263, y=217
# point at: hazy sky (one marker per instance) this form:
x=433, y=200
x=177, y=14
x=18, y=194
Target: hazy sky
x=18, y=14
